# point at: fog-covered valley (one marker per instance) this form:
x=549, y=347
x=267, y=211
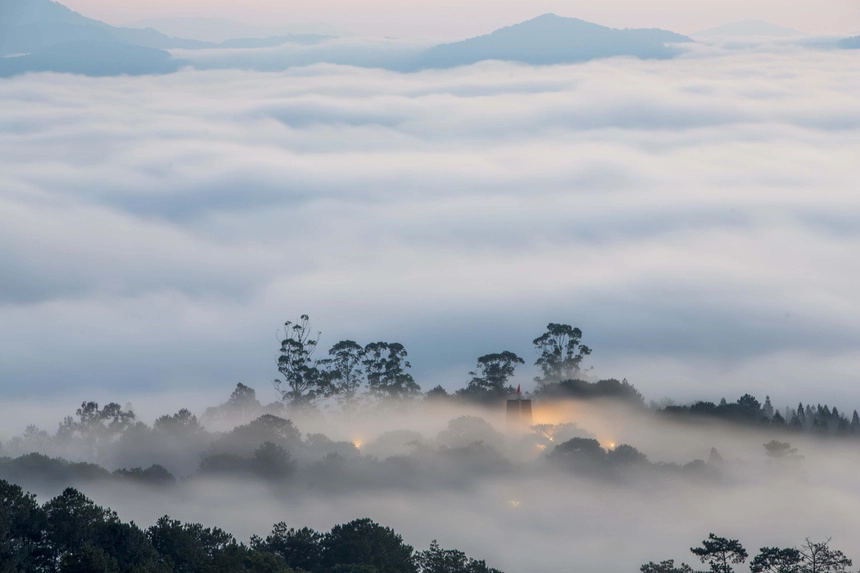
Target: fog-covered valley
x=442, y=469
x=691, y=208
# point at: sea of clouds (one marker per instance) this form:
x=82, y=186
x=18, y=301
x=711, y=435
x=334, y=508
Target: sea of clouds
x=697, y=218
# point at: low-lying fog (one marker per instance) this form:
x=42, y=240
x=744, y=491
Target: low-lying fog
x=495, y=492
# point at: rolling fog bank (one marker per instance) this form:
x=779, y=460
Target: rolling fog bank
x=525, y=499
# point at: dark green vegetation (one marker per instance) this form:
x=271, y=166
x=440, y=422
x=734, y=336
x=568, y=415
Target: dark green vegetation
x=721, y=555
x=819, y=420
x=352, y=372
x=71, y=534
x=261, y=442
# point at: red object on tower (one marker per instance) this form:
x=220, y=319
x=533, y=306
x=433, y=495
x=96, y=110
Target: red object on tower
x=518, y=389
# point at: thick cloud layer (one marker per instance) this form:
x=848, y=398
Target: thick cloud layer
x=697, y=218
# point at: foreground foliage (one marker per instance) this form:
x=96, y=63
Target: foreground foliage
x=71, y=534
x=721, y=554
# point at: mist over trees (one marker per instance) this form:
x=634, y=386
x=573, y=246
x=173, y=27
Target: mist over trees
x=245, y=437
x=353, y=374
x=245, y=441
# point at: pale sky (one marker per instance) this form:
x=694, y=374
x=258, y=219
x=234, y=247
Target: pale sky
x=462, y=18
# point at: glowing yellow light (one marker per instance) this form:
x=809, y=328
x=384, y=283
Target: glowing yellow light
x=357, y=443
x=611, y=445
x=540, y=446
x=557, y=413
x=514, y=503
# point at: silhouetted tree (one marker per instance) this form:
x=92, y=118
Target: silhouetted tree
x=299, y=548
x=154, y=475
x=626, y=455
x=665, y=567
x=749, y=407
x=438, y=560
x=580, y=454
x=305, y=383
x=183, y=424
x=720, y=553
x=22, y=523
x=272, y=462
x=385, y=366
x=560, y=353
x=776, y=560
x=781, y=450
x=438, y=393
x=242, y=404
x=189, y=548
x=491, y=376
x=96, y=427
x=820, y=558
x=767, y=409
x=243, y=440
x=778, y=420
x=364, y=542
x=345, y=370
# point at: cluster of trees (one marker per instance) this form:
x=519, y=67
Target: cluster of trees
x=586, y=457
x=113, y=436
x=71, y=534
x=380, y=366
x=818, y=420
x=722, y=554
x=381, y=369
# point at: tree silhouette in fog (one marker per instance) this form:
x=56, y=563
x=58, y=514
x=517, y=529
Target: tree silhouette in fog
x=667, y=566
x=438, y=560
x=305, y=382
x=560, y=353
x=490, y=377
x=385, y=366
x=345, y=371
x=720, y=553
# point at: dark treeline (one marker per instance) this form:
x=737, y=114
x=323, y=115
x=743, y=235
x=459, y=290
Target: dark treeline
x=748, y=411
x=243, y=437
x=71, y=534
x=722, y=554
x=352, y=373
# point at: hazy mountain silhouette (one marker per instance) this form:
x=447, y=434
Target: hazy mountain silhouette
x=219, y=30
x=551, y=39
x=55, y=38
x=92, y=58
x=750, y=28
x=28, y=26
x=852, y=43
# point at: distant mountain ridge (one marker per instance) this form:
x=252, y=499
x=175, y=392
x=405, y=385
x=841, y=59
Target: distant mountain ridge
x=33, y=25
x=92, y=58
x=852, y=43
x=552, y=39
x=55, y=38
